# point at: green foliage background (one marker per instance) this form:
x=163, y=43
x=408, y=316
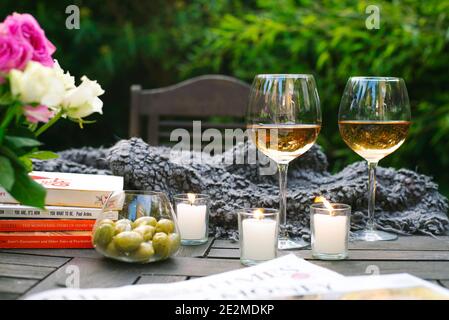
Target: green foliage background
x=161, y=42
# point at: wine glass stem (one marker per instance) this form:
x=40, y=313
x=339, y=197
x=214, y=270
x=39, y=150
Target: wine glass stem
x=283, y=168
x=371, y=195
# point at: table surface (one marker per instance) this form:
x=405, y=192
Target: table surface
x=28, y=271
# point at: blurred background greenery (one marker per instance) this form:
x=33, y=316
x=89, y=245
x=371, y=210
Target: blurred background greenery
x=161, y=42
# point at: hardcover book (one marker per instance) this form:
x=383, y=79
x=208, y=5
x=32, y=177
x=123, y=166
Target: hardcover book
x=53, y=212
x=34, y=240
x=21, y=225
x=72, y=189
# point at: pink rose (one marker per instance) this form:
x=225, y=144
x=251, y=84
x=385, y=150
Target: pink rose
x=37, y=114
x=13, y=54
x=25, y=27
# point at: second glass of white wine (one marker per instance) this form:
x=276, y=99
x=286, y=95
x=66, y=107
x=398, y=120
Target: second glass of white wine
x=374, y=120
x=284, y=120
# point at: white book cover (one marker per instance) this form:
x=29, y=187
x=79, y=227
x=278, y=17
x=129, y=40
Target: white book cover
x=13, y=211
x=72, y=189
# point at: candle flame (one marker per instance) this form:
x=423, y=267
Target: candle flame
x=326, y=204
x=258, y=214
x=191, y=197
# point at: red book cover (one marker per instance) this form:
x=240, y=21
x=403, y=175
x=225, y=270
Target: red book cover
x=15, y=225
x=41, y=240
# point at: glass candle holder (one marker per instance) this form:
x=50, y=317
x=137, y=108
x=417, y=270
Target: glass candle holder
x=330, y=230
x=192, y=212
x=258, y=234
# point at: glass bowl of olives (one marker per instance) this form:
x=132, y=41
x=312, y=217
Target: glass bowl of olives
x=137, y=226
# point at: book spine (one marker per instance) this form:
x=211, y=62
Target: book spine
x=45, y=225
x=55, y=213
x=45, y=242
x=68, y=198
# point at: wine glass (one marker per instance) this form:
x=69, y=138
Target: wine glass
x=374, y=120
x=284, y=120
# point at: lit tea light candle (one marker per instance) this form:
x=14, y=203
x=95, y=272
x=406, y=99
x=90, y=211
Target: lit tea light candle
x=258, y=235
x=330, y=229
x=192, y=219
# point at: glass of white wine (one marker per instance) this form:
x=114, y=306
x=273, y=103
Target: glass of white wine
x=374, y=120
x=284, y=120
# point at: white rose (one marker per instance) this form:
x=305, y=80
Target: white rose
x=65, y=78
x=37, y=84
x=83, y=100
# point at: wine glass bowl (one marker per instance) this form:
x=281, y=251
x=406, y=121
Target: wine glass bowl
x=284, y=120
x=374, y=120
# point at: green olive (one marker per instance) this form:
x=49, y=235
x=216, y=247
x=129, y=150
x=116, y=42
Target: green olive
x=161, y=244
x=103, y=234
x=111, y=250
x=143, y=253
x=105, y=221
x=127, y=221
x=165, y=225
x=122, y=227
x=147, y=232
x=128, y=241
x=175, y=242
x=149, y=221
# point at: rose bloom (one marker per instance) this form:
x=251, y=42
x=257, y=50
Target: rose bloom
x=25, y=28
x=37, y=84
x=37, y=114
x=13, y=54
x=83, y=100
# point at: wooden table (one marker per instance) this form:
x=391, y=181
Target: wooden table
x=27, y=271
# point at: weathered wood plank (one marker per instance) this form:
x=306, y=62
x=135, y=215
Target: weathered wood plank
x=185, y=251
x=104, y=273
x=32, y=260
x=199, y=251
x=353, y=255
x=91, y=273
x=423, y=269
x=8, y=296
x=411, y=243
x=26, y=272
x=224, y=253
x=194, y=267
x=159, y=279
x=15, y=285
x=65, y=253
x=225, y=244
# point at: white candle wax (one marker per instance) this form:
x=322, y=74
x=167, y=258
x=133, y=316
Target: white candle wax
x=191, y=221
x=259, y=239
x=330, y=233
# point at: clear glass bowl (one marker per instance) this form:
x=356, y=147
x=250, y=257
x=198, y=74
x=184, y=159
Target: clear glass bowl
x=137, y=226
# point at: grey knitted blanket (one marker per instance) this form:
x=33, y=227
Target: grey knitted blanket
x=406, y=202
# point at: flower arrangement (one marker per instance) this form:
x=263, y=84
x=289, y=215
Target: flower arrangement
x=35, y=92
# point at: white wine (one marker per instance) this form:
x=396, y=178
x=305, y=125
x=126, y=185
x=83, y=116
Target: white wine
x=284, y=142
x=374, y=140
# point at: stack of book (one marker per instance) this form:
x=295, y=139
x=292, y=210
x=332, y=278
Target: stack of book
x=73, y=203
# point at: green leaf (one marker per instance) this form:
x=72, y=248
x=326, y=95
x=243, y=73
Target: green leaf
x=20, y=142
x=27, y=163
x=6, y=99
x=12, y=157
x=6, y=173
x=2, y=135
x=43, y=155
x=27, y=191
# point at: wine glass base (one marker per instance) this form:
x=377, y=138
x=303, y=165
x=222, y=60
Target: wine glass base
x=289, y=243
x=373, y=235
